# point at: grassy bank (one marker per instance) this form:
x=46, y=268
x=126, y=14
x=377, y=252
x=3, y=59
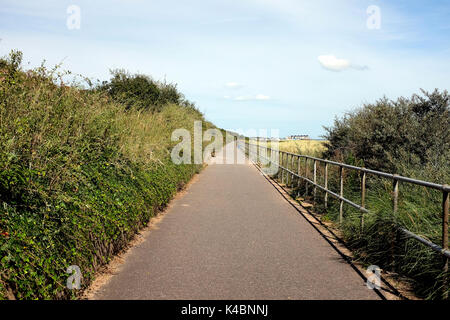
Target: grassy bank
x=80, y=173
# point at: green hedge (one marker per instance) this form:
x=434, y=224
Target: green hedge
x=79, y=176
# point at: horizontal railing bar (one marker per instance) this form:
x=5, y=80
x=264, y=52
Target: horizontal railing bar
x=430, y=244
x=328, y=191
x=322, y=188
x=374, y=172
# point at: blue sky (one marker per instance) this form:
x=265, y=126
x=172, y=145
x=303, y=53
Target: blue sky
x=290, y=65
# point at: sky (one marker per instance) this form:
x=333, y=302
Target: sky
x=291, y=65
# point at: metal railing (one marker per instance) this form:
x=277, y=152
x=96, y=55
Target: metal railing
x=283, y=159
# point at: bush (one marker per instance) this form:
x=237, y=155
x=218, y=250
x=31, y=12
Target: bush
x=142, y=92
x=395, y=135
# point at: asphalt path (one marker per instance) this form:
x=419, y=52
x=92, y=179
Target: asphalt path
x=233, y=236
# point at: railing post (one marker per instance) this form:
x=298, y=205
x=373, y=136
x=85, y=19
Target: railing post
x=306, y=176
x=315, y=179
x=289, y=178
x=292, y=169
x=445, y=205
x=286, y=165
x=395, y=191
x=269, y=150
x=395, y=208
x=280, y=164
x=341, y=193
x=326, y=185
x=363, y=197
x=235, y=149
x=299, y=173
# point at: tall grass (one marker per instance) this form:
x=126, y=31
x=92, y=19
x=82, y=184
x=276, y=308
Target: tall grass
x=80, y=174
x=314, y=148
x=306, y=147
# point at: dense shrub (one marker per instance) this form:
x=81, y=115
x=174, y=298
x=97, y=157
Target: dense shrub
x=142, y=92
x=79, y=175
x=399, y=136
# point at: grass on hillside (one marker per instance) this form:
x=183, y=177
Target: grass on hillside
x=80, y=174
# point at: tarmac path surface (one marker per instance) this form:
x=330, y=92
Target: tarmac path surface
x=233, y=236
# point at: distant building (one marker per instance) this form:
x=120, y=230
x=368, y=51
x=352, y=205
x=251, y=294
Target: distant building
x=298, y=137
x=264, y=138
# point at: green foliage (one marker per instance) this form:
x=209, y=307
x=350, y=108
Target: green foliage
x=79, y=175
x=141, y=92
x=395, y=135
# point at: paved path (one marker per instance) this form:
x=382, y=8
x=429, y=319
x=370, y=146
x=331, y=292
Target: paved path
x=233, y=236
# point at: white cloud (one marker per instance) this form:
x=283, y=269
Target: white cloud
x=258, y=97
x=330, y=62
x=233, y=85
